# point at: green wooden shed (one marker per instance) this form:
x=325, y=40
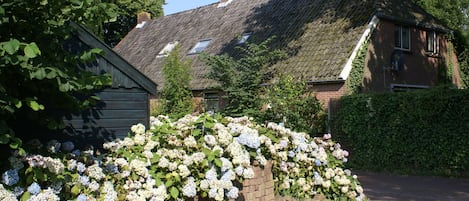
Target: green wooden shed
x=121, y=105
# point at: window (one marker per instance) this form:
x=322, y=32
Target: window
x=432, y=42
x=211, y=102
x=200, y=46
x=402, y=37
x=407, y=87
x=167, y=49
x=244, y=38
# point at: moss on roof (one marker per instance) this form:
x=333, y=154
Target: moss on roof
x=319, y=34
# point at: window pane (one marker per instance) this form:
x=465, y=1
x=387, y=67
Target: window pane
x=405, y=38
x=200, y=46
x=211, y=101
x=397, y=37
x=430, y=41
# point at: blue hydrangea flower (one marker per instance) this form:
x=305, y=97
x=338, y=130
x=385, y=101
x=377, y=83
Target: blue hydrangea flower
x=291, y=154
x=81, y=167
x=10, y=177
x=113, y=168
x=232, y=193
x=189, y=190
x=317, y=162
x=81, y=197
x=249, y=139
x=34, y=188
x=85, y=180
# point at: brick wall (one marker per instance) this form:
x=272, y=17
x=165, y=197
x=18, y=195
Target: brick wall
x=326, y=92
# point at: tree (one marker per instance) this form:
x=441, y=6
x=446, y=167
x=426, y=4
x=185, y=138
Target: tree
x=38, y=77
x=176, y=92
x=126, y=19
x=241, y=78
x=455, y=15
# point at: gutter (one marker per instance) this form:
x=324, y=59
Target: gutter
x=319, y=82
x=369, y=29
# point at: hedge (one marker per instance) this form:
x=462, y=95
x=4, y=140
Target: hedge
x=420, y=132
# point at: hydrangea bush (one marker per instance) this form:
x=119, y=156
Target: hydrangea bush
x=200, y=156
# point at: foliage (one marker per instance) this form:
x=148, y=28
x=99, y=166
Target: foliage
x=291, y=103
x=195, y=156
x=176, y=90
x=355, y=79
x=126, y=18
x=37, y=75
x=422, y=132
x=241, y=78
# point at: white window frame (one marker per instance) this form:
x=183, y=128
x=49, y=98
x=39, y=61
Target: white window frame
x=407, y=87
x=244, y=38
x=200, y=46
x=167, y=49
x=399, y=37
x=432, y=43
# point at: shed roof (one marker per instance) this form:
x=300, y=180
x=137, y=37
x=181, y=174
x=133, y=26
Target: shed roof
x=122, y=71
x=319, y=35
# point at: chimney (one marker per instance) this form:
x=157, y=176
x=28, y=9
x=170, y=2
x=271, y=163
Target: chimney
x=143, y=17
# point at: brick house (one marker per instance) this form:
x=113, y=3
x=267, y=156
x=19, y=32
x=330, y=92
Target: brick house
x=406, y=47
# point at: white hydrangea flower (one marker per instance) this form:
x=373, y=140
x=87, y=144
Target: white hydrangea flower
x=190, y=142
x=184, y=171
x=210, y=140
x=139, y=167
x=138, y=129
x=95, y=172
x=248, y=173
x=54, y=165
x=139, y=139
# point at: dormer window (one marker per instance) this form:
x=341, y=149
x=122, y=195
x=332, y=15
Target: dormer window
x=402, y=37
x=167, y=49
x=200, y=46
x=244, y=38
x=432, y=43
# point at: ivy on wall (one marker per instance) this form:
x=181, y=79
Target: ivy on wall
x=355, y=79
x=420, y=132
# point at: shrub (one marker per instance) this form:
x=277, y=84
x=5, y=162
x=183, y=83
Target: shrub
x=423, y=132
x=196, y=155
x=291, y=103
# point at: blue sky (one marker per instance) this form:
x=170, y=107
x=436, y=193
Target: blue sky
x=174, y=6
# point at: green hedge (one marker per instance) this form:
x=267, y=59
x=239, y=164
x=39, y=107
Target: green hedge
x=421, y=132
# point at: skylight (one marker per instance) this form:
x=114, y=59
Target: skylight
x=200, y=46
x=244, y=38
x=167, y=49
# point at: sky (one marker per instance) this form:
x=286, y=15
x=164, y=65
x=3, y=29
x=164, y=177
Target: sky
x=174, y=6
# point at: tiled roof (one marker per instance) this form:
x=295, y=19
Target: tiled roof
x=319, y=35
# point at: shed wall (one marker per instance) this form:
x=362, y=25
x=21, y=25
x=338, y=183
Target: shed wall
x=117, y=111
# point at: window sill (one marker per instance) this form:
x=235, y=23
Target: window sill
x=432, y=54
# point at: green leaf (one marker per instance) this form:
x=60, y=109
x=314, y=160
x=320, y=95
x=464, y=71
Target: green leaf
x=31, y=50
x=4, y=138
x=16, y=143
x=26, y=195
x=196, y=132
x=174, y=192
x=75, y=190
x=11, y=46
x=35, y=105
x=44, y=2
x=169, y=183
x=218, y=162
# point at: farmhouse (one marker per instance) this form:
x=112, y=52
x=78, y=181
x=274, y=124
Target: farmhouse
x=404, y=47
